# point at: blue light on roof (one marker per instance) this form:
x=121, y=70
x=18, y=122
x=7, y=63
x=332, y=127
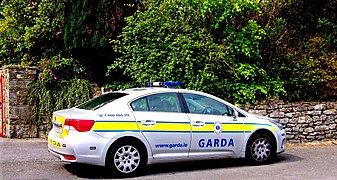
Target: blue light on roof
x=174, y=83
x=149, y=84
x=164, y=84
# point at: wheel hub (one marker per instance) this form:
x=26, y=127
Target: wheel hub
x=127, y=159
x=261, y=149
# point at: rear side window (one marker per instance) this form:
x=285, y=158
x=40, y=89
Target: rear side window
x=164, y=102
x=100, y=101
x=140, y=105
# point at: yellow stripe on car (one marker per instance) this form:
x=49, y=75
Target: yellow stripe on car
x=114, y=125
x=166, y=127
x=252, y=127
x=102, y=126
x=225, y=127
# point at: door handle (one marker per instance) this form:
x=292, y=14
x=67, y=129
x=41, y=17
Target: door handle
x=198, y=123
x=148, y=122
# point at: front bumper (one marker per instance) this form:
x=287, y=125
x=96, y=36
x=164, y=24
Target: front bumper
x=281, y=141
x=84, y=147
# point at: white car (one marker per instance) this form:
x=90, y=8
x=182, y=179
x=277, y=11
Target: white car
x=126, y=130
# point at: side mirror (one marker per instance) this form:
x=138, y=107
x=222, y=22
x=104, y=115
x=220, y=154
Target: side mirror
x=235, y=113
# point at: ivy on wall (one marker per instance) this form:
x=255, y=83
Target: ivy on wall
x=43, y=99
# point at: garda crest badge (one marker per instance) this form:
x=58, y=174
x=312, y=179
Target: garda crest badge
x=217, y=127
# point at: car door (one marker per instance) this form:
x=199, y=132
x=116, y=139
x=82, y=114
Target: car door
x=161, y=120
x=215, y=129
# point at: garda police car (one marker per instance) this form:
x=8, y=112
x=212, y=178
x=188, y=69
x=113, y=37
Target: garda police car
x=126, y=130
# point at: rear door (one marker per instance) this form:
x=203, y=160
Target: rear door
x=163, y=123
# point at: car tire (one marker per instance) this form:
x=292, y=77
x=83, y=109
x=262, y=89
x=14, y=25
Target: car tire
x=260, y=149
x=126, y=159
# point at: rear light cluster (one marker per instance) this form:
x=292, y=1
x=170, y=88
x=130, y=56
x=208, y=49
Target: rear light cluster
x=79, y=124
x=69, y=157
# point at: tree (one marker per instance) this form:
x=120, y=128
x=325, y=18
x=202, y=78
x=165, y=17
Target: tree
x=210, y=45
x=30, y=31
x=89, y=27
x=300, y=47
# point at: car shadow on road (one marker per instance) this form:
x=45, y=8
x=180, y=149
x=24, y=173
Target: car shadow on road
x=96, y=172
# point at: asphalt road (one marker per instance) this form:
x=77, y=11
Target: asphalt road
x=29, y=159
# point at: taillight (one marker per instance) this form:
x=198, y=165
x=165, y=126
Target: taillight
x=79, y=124
x=69, y=157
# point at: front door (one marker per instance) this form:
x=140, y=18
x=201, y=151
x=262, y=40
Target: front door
x=163, y=123
x=215, y=131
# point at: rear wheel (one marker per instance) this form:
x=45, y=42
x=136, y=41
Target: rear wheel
x=126, y=159
x=260, y=149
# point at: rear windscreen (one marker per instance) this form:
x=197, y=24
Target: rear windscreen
x=100, y=101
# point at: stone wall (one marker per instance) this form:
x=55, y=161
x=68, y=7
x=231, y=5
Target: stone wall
x=303, y=122
x=16, y=84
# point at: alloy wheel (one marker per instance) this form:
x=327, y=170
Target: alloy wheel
x=261, y=149
x=127, y=159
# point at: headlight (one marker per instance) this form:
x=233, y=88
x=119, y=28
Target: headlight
x=271, y=120
x=277, y=124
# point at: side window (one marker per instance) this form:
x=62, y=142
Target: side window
x=164, y=102
x=140, y=105
x=204, y=105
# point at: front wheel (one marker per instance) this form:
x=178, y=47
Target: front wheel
x=126, y=159
x=260, y=149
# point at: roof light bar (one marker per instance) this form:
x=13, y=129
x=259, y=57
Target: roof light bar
x=164, y=84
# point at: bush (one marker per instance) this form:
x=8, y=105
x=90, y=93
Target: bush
x=43, y=99
x=211, y=46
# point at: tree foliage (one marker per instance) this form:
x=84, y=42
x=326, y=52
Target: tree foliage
x=32, y=34
x=39, y=32
x=89, y=27
x=43, y=99
x=211, y=45
x=30, y=31
x=241, y=50
x=301, y=47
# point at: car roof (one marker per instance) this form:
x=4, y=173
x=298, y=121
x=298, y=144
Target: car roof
x=147, y=90
x=136, y=92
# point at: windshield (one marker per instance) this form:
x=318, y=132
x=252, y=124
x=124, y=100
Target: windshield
x=100, y=101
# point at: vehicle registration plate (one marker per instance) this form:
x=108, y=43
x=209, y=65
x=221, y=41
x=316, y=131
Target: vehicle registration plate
x=57, y=127
x=58, y=130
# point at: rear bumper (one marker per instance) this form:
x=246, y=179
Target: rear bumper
x=62, y=156
x=84, y=147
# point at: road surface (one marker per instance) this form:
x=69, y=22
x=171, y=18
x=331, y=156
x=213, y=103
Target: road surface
x=29, y=159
